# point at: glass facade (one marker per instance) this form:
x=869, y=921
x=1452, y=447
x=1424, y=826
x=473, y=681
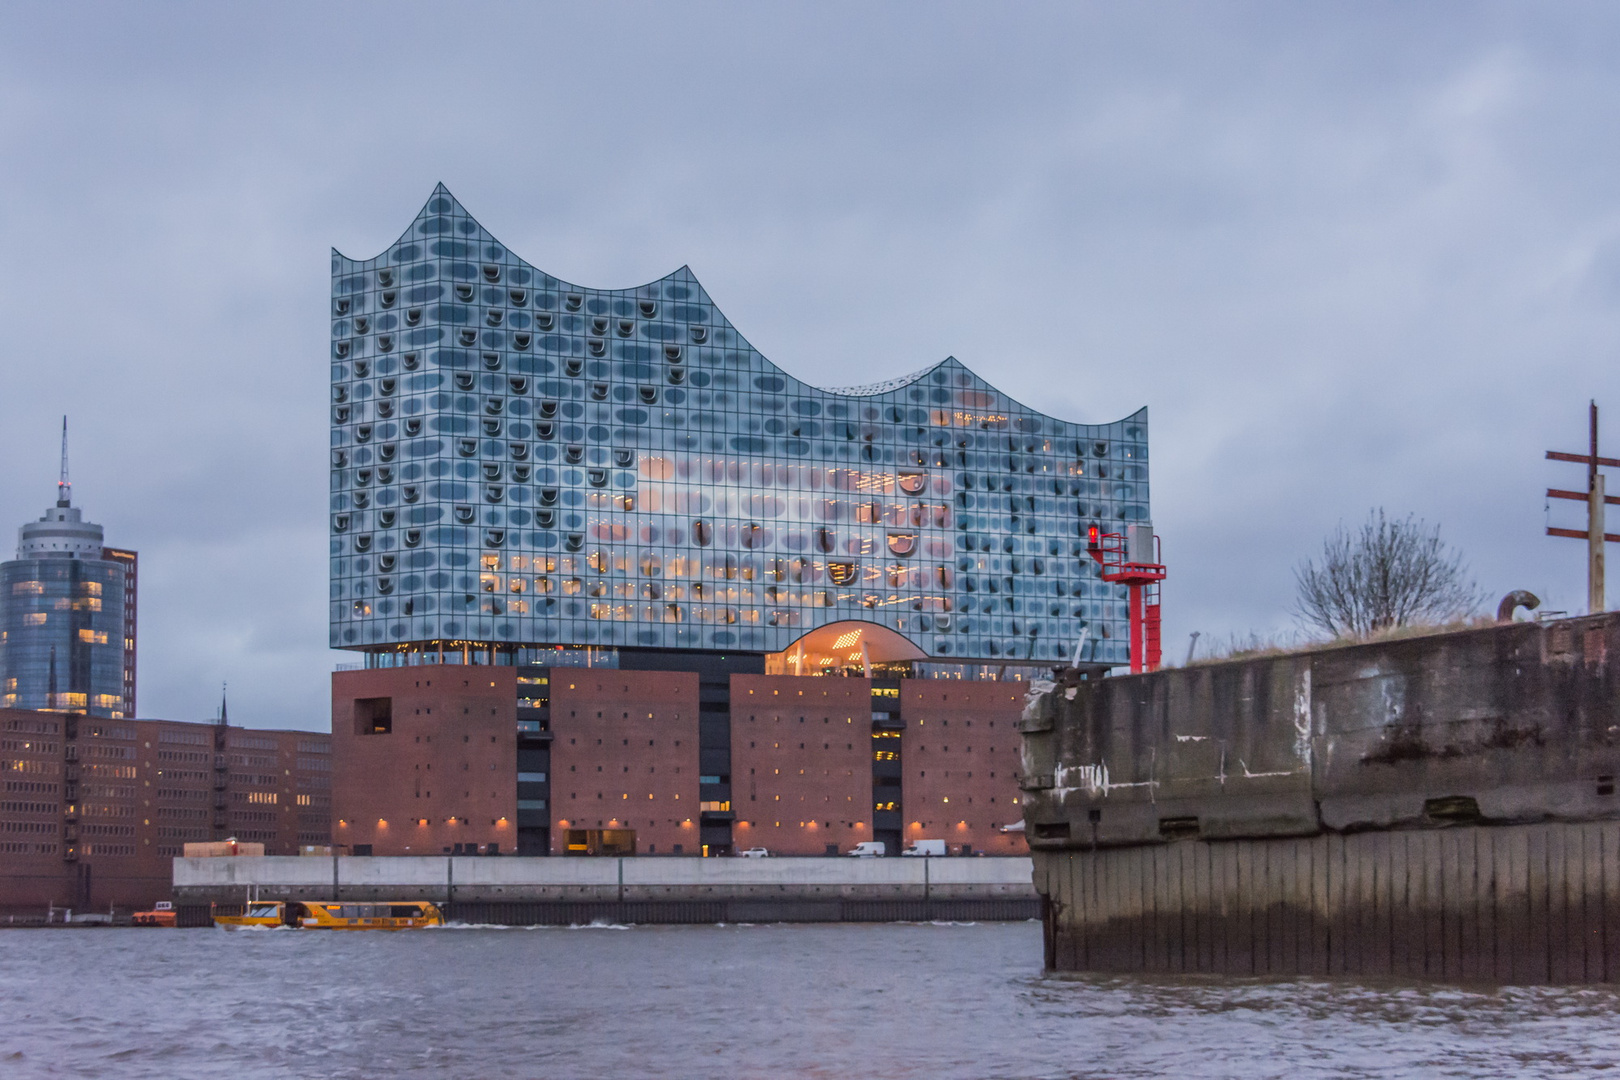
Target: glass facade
x=62, y=620
x=519, y=461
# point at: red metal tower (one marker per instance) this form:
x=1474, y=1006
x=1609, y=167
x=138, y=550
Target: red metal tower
x=1132, y=559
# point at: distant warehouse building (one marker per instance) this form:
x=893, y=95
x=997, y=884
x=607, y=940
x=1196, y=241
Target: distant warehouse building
x=92, y=810
x=610, y=568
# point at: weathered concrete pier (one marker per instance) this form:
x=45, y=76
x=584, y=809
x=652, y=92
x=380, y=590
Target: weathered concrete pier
x=1439, y=807
x=561, y=891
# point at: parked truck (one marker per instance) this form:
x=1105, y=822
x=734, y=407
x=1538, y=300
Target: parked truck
x=925, y=848
x=868, y=849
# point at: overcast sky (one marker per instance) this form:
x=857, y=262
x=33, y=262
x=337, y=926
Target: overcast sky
x=1348, y=255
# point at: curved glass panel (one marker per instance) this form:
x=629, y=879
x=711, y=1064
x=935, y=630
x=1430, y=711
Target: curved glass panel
x=620, y=467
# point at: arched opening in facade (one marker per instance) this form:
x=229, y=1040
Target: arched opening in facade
x=851, y=647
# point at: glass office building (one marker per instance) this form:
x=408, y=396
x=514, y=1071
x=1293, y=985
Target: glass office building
x=519, y=462
x=63, y=642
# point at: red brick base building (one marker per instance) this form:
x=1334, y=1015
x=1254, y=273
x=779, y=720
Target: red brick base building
x=707, y=756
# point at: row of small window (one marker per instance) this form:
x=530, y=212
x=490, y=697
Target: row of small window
x=750, y=536
x=390, y=279
x=695, y=477
x=63, y=603
x=1022, y=471
x=679, y=564
x=467, y=381
x=1059, y=622
x=498, y=318
x=917, y=599
x=75, y=699
x=88, y=637
x=37, y=588
x=521, y=341
x=742, y=527
x=1004, y=595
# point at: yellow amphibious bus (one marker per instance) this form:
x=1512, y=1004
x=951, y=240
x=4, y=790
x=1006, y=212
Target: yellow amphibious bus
x=302, y=915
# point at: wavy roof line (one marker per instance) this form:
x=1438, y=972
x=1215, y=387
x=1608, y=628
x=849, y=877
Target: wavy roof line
x=429, y=222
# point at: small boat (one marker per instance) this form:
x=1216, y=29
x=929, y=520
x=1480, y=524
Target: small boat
x=162, y=914
x=306, y=915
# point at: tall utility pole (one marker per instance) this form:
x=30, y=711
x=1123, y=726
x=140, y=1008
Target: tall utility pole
x=1595, y=499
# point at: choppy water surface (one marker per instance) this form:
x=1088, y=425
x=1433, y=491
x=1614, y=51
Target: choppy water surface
x=729, y=1001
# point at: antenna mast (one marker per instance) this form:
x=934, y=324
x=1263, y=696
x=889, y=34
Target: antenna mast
x=64, y=486
x=1596, y=498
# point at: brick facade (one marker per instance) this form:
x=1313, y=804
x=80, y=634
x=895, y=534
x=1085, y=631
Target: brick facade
x=960, y=763
x=93, y=810
x=425, y=759
x=815, y=763
x=801, y=763
x=624, y=754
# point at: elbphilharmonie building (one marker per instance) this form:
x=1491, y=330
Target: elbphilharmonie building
x=608, y=553
x=518, y=461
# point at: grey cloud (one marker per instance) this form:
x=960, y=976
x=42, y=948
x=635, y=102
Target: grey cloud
x=1348, y=255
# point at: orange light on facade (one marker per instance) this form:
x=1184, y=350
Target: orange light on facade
x=451, y=820
x=381, y=824
x=562, y=823
x=342, y=824
x=421, y=821
x=500, y=823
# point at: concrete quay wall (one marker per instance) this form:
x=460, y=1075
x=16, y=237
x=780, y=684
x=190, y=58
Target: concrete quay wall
x=636, y=889
x=1441, y=806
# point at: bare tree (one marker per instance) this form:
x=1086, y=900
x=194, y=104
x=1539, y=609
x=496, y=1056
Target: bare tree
x=1387, y=573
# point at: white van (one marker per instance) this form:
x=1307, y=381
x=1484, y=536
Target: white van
x=868, y=849
x=924, y=848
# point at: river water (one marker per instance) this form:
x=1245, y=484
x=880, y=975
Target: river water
x=834, y=1001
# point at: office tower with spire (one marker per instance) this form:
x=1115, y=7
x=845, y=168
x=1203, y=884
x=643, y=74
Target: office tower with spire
x=67, y=640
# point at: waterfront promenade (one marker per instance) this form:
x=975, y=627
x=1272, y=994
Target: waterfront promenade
x=644, y=889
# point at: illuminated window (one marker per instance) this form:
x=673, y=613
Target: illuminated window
x=28, y=588
x=265, y=798
x=34, y=618
x=93, y=637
